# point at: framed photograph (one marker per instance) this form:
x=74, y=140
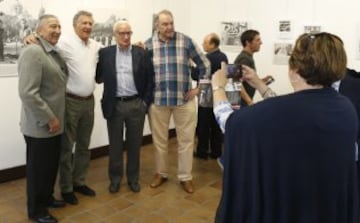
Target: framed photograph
x=16, y=22
x=285, y=29
x=312, y=29
x=230, y=34
x=282, y=52
x=104, y=22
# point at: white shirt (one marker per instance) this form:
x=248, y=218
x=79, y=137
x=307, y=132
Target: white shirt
x=81, y=60
x=336, y=85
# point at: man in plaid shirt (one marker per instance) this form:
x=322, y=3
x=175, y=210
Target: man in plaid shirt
x=173, y=95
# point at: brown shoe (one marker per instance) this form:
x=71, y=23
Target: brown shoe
x=187, y=186
x=158, y=180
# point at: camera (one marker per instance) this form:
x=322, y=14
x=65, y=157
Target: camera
x=234, y=71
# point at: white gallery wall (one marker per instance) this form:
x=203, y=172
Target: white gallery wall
x=195, y=18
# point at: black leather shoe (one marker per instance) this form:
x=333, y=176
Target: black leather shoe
x=70, y=198
x=114, y=188
x=45, y=219
x=214, y=156
x=56, y=204
x=134, y=187
x=85, y=190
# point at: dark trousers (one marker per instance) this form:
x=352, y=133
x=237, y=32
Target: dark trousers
x=42, y=161
x=131, y=116
x=209, y=134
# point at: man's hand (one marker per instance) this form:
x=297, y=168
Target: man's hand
x=30, y=39
x=191, y=94
x=250, y=76
x=54, y=125
x=140, y=44
x=219, y=78
x=268, y=79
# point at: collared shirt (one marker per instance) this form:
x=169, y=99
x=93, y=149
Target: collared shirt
x=81, y=60
x=336, y=85
x=171, y=65
x=124, y=73
x=47, y=46
x=54, y=51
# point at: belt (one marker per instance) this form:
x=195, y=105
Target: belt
x=127, y=98
x=77, y=97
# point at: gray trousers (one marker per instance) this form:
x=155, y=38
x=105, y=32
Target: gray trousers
x=79, y=122
x=128, y=116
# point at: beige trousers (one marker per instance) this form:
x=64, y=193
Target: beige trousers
x=185, y=119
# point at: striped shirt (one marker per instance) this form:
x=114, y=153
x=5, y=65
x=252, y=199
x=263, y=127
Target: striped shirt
x=171, y=64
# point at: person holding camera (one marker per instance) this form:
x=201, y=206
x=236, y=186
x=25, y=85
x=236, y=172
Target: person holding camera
x=288, y=158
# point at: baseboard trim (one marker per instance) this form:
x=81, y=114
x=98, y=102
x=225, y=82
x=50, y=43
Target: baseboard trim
x=20, y=171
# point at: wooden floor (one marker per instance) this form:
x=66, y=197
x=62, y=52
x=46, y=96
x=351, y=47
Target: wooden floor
x=166, y=204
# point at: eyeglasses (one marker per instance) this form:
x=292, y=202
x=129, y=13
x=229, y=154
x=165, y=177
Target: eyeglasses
x=122, y=34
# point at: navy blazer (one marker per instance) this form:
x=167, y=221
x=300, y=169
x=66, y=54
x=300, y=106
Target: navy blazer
x=350, y=87
x=143, y=71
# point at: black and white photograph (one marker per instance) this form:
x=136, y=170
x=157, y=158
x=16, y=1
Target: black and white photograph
x=16, y=22
x=282, y=52
x=312, y=29
x=104, y=21
x=18, y=18
x=231, y=32
x=285, y=29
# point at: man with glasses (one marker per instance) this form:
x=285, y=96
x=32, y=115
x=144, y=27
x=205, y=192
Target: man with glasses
x=127, y=73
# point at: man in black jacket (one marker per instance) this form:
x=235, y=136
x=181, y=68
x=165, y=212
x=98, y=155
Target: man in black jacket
x=127, y=73
x=208, y=132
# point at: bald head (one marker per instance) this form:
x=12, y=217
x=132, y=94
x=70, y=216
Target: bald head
x=211, y=42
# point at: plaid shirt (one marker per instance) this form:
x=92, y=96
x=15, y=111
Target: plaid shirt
x=171, y=64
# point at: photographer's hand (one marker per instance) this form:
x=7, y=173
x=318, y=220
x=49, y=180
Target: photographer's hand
x=268, y=79
x=218, y=82
x=250, y=76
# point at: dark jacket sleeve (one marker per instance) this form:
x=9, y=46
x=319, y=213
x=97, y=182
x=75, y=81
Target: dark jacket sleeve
x=150, y=85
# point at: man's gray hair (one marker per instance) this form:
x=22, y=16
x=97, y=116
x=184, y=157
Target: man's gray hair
x=43, y=19
x=80, y=13
x=122, y=21
x=165, y=12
